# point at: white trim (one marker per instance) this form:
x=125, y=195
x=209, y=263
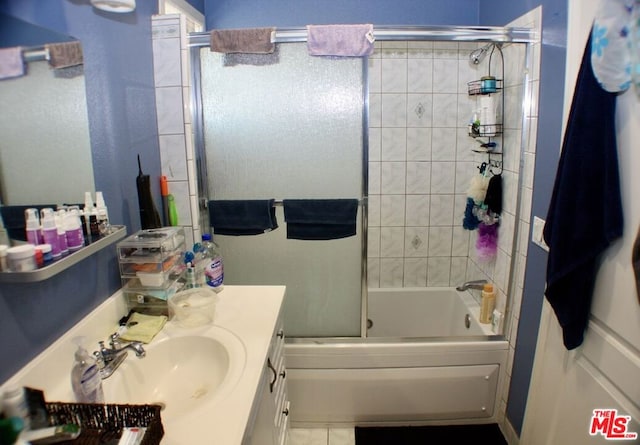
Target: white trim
x=184, y=8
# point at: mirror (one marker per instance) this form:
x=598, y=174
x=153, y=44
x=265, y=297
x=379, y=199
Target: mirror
x=45, y=149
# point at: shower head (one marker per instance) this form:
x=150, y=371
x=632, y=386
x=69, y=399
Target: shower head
x=479, y=54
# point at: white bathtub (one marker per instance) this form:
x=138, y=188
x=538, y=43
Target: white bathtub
x=419, y=365
x=423, y=312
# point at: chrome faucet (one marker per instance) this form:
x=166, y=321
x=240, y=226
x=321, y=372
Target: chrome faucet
x=475, y=284
x=109, y=359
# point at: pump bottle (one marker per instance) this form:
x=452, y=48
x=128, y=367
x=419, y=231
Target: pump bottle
x=487, y=304
x=50, y=231
x=86, y=380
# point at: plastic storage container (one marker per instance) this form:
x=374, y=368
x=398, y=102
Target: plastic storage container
x=22, y=258
x=150, y=265
x=193, y=307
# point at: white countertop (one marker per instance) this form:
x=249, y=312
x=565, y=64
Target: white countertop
x=248, y=312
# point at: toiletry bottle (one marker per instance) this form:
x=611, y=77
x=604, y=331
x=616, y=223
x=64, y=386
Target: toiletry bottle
x=85, y=376
x=488, y=116
x=73, y=230
x=91, y=216
x=487, y=304
x=190, y=270
x=199, y=263
x=50, y=231
x=34, y=236
x=14, y=404
x=103, y=214
x=214, y=269
x=62, y=236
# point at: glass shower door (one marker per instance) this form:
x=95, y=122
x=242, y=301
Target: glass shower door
x=290, y=130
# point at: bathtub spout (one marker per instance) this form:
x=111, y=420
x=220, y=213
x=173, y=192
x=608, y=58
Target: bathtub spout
x=475, y=284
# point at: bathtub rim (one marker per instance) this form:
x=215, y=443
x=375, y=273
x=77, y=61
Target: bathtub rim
x=382, y=341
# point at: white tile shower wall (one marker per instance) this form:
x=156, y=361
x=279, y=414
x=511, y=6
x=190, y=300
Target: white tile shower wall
x=172, y=82
x=420, y=165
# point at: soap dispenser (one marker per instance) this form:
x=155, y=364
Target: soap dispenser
x=86, y=380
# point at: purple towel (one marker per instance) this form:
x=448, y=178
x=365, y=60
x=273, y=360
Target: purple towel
x=11, y=64
x=340, y=40
x=250, y=40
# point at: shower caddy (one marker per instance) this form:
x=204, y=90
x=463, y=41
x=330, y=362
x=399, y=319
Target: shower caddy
x=486, y=86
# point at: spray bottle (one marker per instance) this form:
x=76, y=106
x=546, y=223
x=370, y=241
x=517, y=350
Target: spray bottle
x=103, y=215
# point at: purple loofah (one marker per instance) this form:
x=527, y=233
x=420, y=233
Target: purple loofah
x=487, y=242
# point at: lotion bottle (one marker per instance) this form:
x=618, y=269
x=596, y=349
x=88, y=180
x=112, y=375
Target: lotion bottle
x=86, y=380
x=50, y=231
x=73, y=230
x=34, y=235
x=487, y=304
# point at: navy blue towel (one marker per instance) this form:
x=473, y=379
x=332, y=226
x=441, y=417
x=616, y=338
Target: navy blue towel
x=242, y=217
x=585, y=213
x=320, y=219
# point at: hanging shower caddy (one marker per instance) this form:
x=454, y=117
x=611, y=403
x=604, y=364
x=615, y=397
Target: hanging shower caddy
x=489, y=133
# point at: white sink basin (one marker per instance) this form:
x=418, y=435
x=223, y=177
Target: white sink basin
x=205, y=377
x=181, y=372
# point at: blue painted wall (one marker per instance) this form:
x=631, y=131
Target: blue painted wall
x=198, y=4
x=122, y=123
x=16, y=32
x=554, y=51
x=295, y=13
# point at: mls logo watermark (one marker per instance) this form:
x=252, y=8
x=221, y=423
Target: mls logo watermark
x=612, y=426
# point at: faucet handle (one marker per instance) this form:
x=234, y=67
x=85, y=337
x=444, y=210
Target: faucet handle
x=99, y=358
x=114, y=340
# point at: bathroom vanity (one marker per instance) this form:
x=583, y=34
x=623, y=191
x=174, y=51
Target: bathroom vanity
x=221, y=383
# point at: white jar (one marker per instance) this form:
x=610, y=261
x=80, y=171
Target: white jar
x=14, y=404
x=22, y=258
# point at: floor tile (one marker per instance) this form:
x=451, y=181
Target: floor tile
x=342, y=436
x=308, y=436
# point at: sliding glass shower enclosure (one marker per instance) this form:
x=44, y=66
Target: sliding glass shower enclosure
x=389, y=131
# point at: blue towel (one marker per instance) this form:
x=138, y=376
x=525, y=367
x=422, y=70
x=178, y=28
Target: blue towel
x=242, y=217
x=320, y=219
x=585, y=213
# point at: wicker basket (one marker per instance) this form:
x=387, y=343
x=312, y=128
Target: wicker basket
x=102, y=424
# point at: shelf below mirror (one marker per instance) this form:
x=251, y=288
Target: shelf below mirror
x=43, y=273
